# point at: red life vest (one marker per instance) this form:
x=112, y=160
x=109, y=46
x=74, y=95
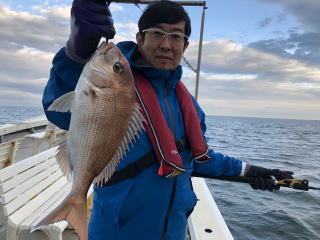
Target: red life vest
x=162, y=140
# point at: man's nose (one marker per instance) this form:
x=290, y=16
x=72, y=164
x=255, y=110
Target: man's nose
x=165, y=43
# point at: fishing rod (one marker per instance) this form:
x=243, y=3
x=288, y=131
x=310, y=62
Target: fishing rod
x=296, y=184
x=288, y=183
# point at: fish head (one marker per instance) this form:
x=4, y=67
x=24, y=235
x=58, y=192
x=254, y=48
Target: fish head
x=109, y=68
x=107, y=72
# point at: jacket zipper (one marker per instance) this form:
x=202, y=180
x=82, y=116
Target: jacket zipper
x=166, y=220
x=173, y=129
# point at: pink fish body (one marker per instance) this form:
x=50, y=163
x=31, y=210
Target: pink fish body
x=104, y=120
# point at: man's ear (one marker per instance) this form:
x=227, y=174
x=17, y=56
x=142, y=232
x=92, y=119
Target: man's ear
x=185, y=45
x=139, y=39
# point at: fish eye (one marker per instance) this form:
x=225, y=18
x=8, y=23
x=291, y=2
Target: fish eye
x=118, y=67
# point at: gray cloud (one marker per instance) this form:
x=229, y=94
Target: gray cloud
x=246, y=81
x=23, y=73
x=35, y=31
x=306, y=11
x=227, y=57
x=265, y=77
x=241, y=96
x=281, y=17
x=301, y=46
x=28, y=43
x=265, y=22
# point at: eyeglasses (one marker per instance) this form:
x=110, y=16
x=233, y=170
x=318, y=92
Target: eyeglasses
x=158, y=35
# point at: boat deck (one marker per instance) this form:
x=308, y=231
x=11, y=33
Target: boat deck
x=205, y=216
x=38, y=235
x=25, y=151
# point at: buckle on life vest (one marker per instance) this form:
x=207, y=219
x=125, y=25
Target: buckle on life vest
x=174, y=173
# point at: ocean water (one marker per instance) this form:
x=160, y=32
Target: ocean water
x=16, y=114
x=292, y=145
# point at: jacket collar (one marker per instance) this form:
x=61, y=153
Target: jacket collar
x=158, y=78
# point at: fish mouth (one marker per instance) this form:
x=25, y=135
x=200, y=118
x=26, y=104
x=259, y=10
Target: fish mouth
x=102, y=50
x=105, y=47
x=101, y=64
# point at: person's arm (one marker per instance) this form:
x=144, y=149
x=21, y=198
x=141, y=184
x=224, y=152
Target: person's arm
x=90, y=21
x=64, y=76
x=223, y=165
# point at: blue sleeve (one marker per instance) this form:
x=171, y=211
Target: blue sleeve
x=64, y=76
x=218, y=164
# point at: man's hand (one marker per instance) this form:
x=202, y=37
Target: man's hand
x=263, y=177
x=90, y=21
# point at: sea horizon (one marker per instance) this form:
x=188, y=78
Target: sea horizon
x=39, y=111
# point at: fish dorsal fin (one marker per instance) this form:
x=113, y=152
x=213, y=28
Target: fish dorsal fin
x=64, y=160
x=134, y=127
x=63, y=103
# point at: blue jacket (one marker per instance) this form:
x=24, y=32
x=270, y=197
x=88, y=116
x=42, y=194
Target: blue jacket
x=147, y=207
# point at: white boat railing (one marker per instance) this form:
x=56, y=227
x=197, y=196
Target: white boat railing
x=206, y=221
x=29, y=125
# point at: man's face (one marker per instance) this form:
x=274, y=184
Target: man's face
x=162, y=53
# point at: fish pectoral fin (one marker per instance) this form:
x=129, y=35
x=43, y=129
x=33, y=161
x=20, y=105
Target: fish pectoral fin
x=134, y=127
x=64, y=160
x=63, y=103
x=74, y=210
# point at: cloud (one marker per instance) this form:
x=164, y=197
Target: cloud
x=306, y=11
x=282, y=17
x=300, y=46
x=42, y=32
x=28, y=42
x=265, y=22
x=302, y=43
x=25, y=60
x=24, y=71
x=27, y=45
x=116, y=8
x=19, y=97
x=125, y=31
x=274, y=77
x=280, y=77
x=227, y=57
x=56, y=11
x=243, y=81
x=247, y=96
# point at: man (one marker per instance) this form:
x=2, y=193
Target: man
x=147, y=200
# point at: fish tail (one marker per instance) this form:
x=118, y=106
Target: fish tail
x=74, y=210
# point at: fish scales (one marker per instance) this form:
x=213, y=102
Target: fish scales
x=105, y=119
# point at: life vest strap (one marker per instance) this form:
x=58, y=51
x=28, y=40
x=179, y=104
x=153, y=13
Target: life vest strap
x=133, y=169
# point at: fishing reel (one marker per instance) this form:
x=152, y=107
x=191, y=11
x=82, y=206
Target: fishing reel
x=295, y=184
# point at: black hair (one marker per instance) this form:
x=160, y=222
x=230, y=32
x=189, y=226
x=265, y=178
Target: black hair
x=164, y=11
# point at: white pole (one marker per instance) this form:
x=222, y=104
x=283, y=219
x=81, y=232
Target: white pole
x=200, y=51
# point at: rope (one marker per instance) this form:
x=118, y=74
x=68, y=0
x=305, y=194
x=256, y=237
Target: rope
x=188, y=64
x=136, y=2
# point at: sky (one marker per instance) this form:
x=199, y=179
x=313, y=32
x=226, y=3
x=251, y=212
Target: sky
x=261, y=58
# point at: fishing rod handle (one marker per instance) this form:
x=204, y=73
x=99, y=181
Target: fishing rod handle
x=294, y=183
